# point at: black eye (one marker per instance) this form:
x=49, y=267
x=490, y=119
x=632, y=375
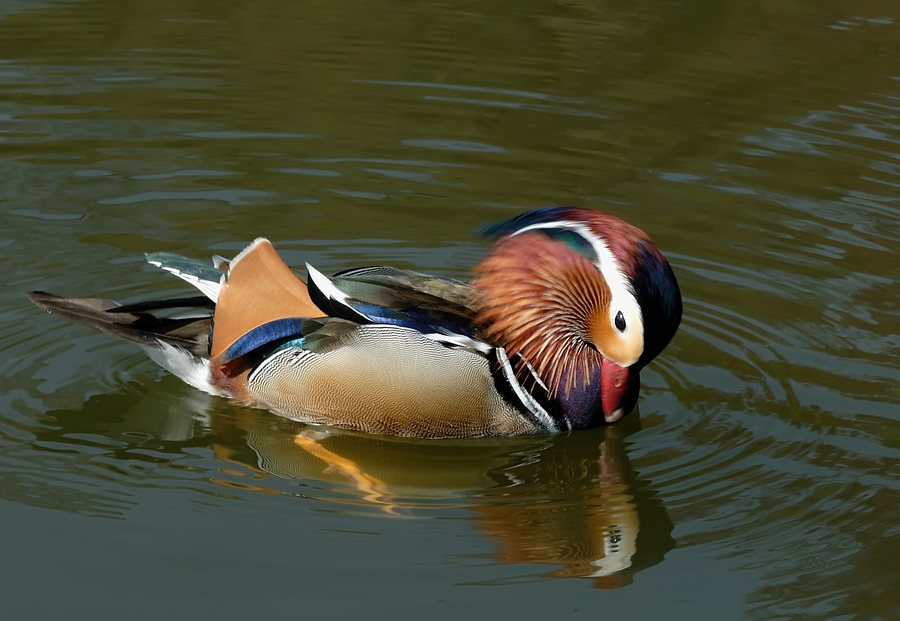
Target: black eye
x=620, y=322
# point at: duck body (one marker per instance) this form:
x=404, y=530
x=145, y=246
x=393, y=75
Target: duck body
x=549, y=336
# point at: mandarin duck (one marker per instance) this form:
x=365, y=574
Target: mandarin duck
x=550, y=335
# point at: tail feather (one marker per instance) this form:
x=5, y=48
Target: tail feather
x=108, y=317
x=199, y=301
x=191, y=369
x=207, y=279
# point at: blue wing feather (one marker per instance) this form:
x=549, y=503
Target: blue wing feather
x=262, y=335
x=396, y=297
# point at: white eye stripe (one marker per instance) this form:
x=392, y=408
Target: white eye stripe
x=623, y=298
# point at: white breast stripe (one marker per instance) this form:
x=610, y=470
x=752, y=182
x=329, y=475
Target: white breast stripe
x=534, y=375
x=524, y=397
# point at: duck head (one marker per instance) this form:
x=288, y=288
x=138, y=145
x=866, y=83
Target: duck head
x=583, y=300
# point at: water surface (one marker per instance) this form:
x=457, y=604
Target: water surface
x=757, y=143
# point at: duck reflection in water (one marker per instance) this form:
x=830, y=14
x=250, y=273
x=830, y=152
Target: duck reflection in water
x=567, y=500
x=571, y=500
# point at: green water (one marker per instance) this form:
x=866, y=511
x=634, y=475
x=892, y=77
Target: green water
x=757, y=142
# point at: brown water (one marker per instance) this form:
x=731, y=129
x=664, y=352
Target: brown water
x=757, y=142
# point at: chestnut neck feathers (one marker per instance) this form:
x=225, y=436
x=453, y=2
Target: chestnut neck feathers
x=542, y=301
